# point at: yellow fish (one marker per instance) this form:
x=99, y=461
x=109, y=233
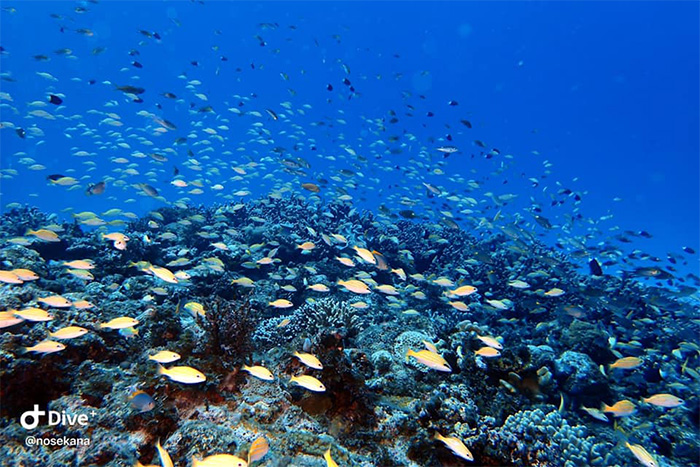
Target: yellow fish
x=627, y=363
x=81, y=274
x=80, y=264
x=8, y=318
x=195, y=308
x=430, y=359
x=44, y=235
x=309, y=360
x=34, y=314
x=281, y=303
x=620, y=409
x=345, y=261
x=463, y=291
x=259, y=372
x=9, y=277
x=120, y=323
x=163, y=274
x=258, y=449
x=46, y=347
x=319, y=288
x=219, y=460
x=25, y=274
x=555, y=292
x=387, y=289
x=490, y=341
x=69, y=332
x=306, y=246
x=308, y=382
x=165, y=459
x=55, y=301
x=353, y=285
x=642, y=455
x=284, y=322
x=664, y=400
x=82, y=305
x=243, y=282
x=329, y=460
x=488, y=352
x=183, y=374
x=456, y=445
x=365, y=255
x=165, y=356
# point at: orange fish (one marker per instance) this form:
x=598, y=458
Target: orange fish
x=626, y=363
x=621, y=408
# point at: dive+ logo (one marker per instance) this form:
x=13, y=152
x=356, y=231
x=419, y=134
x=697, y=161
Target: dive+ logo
x=31, y=418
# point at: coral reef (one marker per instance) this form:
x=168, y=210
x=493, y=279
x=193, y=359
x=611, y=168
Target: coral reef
x=377, y=407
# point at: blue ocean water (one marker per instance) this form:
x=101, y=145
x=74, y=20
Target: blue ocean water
x=606, y=92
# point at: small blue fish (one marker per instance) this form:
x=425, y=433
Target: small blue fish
x=142, y=402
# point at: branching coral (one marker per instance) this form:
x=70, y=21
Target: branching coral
x=229, y=325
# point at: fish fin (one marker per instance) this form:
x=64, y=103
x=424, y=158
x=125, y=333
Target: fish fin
x=161, y=370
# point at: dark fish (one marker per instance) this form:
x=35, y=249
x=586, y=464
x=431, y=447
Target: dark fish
x=176, y=171
x=145, y=33
x=131, y=89
x=40, y=58
x=20, y=132
x=595, y=268
x=54, y=177
x=207, y=108
x=453, y=103
x=55, y=100
x=289, y=163
x=158, y=157
x=136, y=64
x=272, y=114
x=98, y=50
x=329, y=87
x=407, y=214
x=142, y=402
x=450, y=223
x=688, y=250
x=657, y=273
x=166, y=123
x=466, y=123
x=149, y=190
x=96, y=188
x=479, y=143
x=543, y=221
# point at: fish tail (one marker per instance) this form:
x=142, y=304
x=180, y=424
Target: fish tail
x=409, y=352
x=162, y=370
x=195, y=462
